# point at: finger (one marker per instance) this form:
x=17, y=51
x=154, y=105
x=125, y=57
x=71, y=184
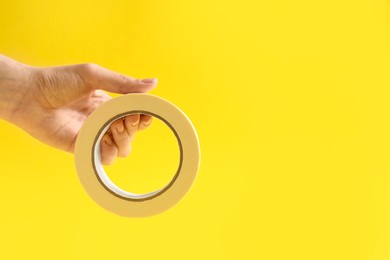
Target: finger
x=121, y=137
x=108, y=150
x=131, y=123
x=101, y=78
x=145, y=122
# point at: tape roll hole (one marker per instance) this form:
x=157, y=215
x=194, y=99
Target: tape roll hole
x=152, y=164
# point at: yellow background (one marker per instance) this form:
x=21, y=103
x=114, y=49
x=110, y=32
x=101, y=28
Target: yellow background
x=291, y=102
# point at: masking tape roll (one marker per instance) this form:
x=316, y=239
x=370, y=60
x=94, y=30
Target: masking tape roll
x=95, y=180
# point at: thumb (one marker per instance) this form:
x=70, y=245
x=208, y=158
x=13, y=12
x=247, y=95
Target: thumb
x=97, y=77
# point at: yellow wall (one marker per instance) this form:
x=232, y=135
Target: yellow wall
x=291, y=102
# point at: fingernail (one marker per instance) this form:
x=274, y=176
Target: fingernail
x=135, y=123
x=108, y=141
x=149, y=81
x=120, y=128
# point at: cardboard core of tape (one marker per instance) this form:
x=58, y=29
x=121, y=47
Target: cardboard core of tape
x=95, y=180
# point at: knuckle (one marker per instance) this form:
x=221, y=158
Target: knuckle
x=88, y=70
x=89, y=67
x=107, y=161
x=124, y=152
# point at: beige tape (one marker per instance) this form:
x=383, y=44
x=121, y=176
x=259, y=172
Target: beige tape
x=94, y=178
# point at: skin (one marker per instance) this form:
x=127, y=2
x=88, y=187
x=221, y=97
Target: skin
x=51, y=104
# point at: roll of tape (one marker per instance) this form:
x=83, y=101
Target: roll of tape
x=95, y=180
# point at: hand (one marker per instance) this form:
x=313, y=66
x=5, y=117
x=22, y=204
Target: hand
x=51, y=104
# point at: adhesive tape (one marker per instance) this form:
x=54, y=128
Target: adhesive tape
x=95, y=180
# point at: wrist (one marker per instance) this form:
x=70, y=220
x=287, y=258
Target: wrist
x=15, y=78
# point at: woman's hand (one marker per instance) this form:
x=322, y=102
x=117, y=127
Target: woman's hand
x=51, y=104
